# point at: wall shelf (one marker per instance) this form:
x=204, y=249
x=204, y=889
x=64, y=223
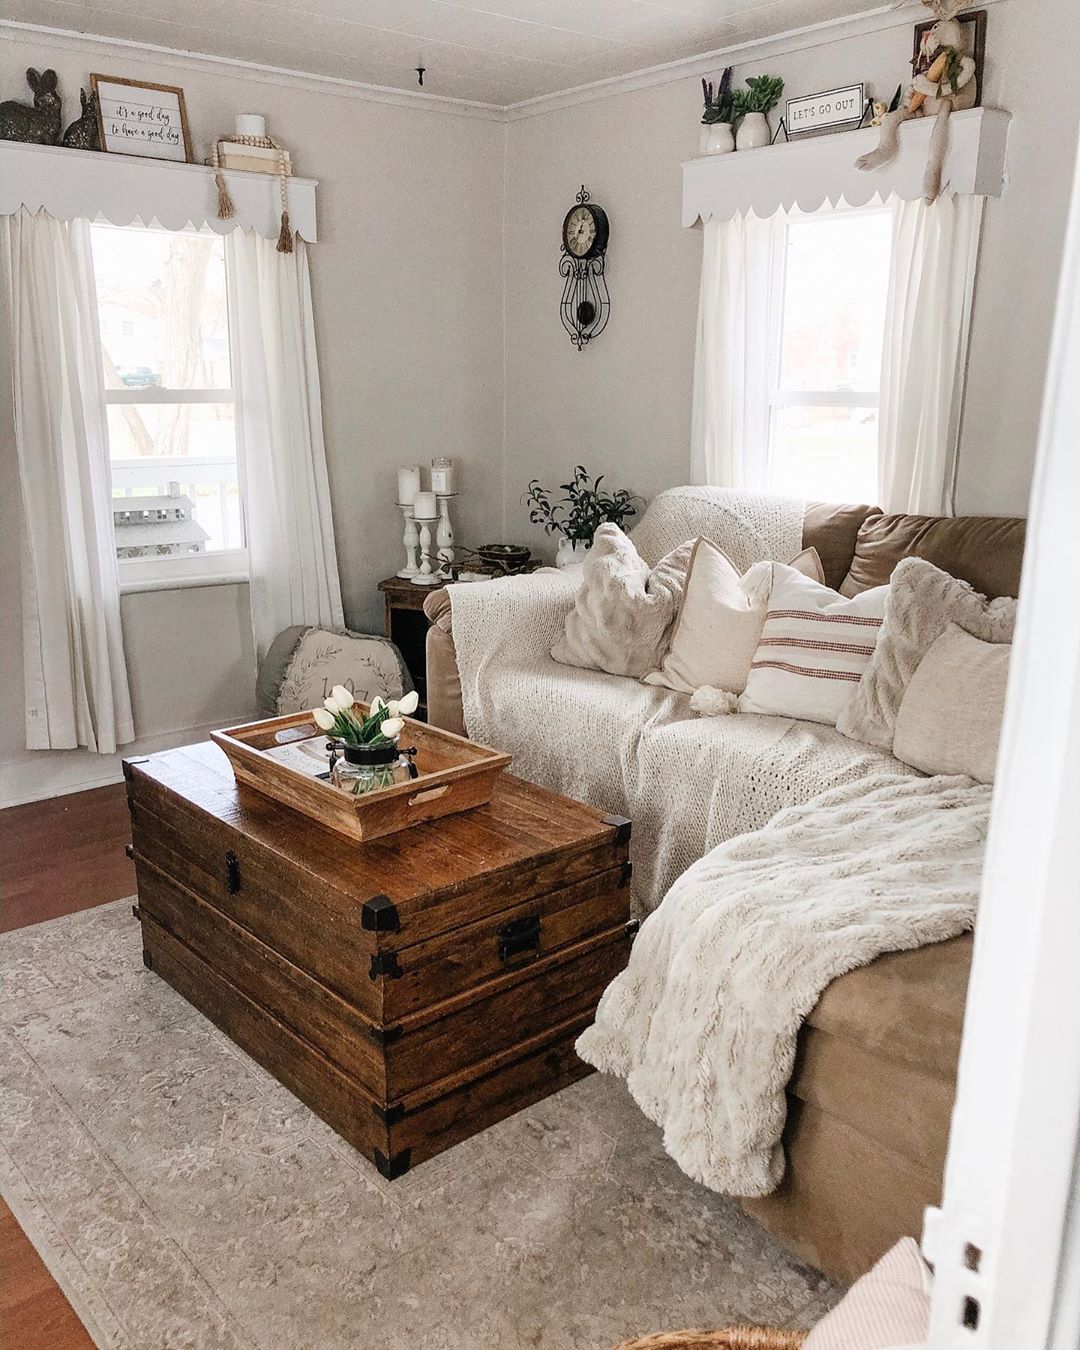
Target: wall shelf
x=91, y=185
x=807, y=173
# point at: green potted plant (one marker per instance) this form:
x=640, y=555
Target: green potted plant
x=717, y=137
x=752, y=106
x=579, y=513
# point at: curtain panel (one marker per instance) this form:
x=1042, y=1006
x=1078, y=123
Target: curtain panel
x=76, y=685
x=931, y=283
x=286, y=493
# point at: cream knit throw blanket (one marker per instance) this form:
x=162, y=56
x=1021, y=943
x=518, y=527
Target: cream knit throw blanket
x=704, y=1020
x=687, y=783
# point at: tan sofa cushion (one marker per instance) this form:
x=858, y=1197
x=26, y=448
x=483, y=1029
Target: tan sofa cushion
x=985, y=551
x=833, y=530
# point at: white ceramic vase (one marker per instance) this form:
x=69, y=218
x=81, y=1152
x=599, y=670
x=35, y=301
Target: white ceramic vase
x=717, y=139
x=753, y=132
x=571, y=551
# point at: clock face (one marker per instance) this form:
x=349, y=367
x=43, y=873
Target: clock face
x=579, y=231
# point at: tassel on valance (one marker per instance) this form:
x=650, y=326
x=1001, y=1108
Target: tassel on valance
x=226, y=209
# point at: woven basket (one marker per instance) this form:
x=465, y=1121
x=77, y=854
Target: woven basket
x=730, y=1338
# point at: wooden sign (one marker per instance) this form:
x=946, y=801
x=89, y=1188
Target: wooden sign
x=831, y=108
x=137, y=118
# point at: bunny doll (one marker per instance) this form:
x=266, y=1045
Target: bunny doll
x=947, y=83
x=40, y=125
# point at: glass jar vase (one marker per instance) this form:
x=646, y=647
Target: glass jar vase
x=363, y=768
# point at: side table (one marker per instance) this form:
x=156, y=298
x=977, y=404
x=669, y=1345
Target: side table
x=406, y=625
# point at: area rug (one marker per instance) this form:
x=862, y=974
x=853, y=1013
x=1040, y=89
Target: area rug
x=182, y=1198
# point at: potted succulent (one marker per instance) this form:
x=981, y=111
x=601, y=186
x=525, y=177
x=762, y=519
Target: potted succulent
x=752, y=106
x=717, y=137
x=364, y=752
x=579, y=513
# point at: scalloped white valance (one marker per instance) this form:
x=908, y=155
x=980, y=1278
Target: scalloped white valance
x=88, y=185
x=807, y=173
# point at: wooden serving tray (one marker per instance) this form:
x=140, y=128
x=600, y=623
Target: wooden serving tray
x=455, y=774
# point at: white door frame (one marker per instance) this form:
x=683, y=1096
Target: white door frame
x=1011, y=1200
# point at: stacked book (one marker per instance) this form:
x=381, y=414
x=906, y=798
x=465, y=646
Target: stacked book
x=252, y=158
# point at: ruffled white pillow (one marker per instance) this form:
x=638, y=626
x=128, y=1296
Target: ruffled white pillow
x=624, y=609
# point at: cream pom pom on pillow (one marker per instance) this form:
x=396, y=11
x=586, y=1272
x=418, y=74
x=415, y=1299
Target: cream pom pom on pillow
x=624, y=609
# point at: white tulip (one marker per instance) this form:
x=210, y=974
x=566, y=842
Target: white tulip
x=377, y=704
x=323, y=718
x=393, y=708
x=409, y=704
x=331, y=706
x=391, y=727
x=342, y=697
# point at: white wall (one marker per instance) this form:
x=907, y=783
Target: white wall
x=623, y=405
x=408, y=293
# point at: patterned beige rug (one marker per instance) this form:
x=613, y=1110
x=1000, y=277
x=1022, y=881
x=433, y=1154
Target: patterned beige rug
x=182, y=1198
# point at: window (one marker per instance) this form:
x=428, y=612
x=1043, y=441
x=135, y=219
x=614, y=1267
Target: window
x=164, y=323
x=831, y=280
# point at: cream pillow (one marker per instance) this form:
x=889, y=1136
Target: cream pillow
x=720, y=620
x=950, y=716
x=623, y=610
x=813, y=649
x=887, y=1309
x=922, y=602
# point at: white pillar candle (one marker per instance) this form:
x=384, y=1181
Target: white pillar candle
x=442, y=477
x=408, y=485
x=250, y=124
x=425, y=506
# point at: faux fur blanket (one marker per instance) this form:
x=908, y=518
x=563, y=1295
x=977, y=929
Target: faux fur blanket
x=703, y=1022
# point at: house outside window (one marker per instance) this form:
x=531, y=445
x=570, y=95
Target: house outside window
x=830, y=281
x=171, y=404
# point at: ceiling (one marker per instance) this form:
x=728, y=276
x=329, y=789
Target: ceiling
x=488, y=51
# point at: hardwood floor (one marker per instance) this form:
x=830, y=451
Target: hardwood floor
x=56, y=857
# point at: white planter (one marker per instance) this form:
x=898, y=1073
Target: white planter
x=571, y=551
x=718, y=139
x=753, y=132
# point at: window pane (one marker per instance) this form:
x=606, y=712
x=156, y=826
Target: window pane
x=825, y=454
x=835, y=289
x=188, y=450
x=162, y=309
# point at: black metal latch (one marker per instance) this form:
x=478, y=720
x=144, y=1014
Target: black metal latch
x=518, y=938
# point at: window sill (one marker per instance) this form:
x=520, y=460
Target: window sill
x=133, y=587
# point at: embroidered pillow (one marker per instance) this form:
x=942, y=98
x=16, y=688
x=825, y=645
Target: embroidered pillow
x=922, y=601
x=887, y=1309
x=813, y=649
x=719, y=621
x=950, y=716
x=624, y=609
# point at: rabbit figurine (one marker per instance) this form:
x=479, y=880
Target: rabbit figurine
x=39, y=125
x=84, y=133
x=945, y=81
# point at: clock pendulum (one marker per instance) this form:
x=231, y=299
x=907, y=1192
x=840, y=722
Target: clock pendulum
x=585, y=304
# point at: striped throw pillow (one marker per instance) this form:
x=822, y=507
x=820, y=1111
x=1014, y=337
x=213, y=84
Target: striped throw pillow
x=888, y=1309
x=813, y=649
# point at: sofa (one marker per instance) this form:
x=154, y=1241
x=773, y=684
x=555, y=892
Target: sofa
x=870, y=1099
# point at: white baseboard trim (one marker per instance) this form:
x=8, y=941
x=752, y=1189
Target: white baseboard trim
x=41, y=774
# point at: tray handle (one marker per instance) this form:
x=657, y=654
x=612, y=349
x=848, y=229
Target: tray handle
x=429, y=795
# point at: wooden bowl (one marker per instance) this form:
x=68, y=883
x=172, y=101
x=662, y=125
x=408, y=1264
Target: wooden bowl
x=729, y=1338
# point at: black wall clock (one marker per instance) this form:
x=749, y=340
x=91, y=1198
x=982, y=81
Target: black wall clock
x=586, y=304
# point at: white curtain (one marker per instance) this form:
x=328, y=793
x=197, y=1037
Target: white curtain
x=935, y=250
x=75, y=678
x=290, y=531
x=730, y=421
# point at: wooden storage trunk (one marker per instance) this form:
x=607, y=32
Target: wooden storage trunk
x=412, y=989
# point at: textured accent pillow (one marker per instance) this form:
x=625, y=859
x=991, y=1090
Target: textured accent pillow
x=887, y=1309
x=719, y=621
x=922, y=602
x=624, y=609
x=950, y=716
x=813, y=649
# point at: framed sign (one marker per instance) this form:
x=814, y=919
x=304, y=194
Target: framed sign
x=137, y=118
x=842, y=107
